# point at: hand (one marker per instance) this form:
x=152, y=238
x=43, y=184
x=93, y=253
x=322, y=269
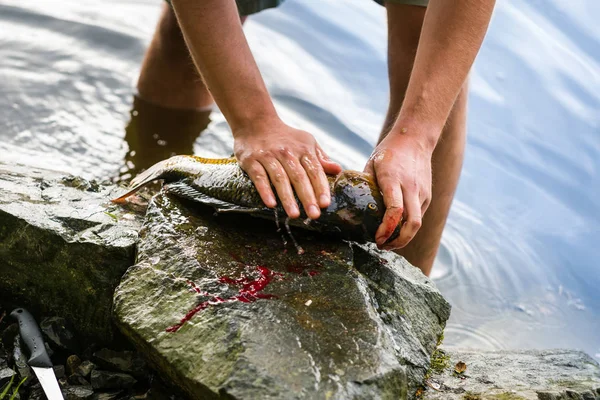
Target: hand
x=271, y=151
x=401, y=165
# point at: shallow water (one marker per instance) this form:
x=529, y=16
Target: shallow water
x=519, y=257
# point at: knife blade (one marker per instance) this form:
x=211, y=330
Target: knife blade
x=39, y=360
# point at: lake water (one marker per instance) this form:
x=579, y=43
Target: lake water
x=520, y=254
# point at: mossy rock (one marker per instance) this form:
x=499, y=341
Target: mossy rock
x=219, y=305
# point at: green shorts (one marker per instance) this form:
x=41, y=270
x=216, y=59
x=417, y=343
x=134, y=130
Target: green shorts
x=247, y=7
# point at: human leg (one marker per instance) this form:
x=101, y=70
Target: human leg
x=404, y=27
x=168, y=76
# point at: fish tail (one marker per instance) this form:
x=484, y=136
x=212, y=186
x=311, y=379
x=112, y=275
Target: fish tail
x=176, y=167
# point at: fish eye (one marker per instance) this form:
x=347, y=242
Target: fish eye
x=372, y=206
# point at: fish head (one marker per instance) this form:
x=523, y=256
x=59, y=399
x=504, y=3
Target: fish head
x=356, y=207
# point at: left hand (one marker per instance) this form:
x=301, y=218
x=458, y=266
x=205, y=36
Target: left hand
x=401, y=165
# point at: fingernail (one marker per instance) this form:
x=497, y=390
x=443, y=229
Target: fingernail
x=294, y=211
x=324, y=200
x=313, y=210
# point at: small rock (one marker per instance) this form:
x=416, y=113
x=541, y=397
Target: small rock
x=59, y=371
x=78, y=380
x=573, y=395
x=78, y=393
x=36, y=392
x=60, y=333
x=48, y=349
x=20, y=360
x=107, y=395
x=73, y=362
x=6, y=374
x=86, y=368
x=8, y=337
x=124, y=361
x=111, y=380
x=588, y=395
x=3, y=356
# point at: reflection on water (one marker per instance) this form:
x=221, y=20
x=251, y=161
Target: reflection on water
x=155, y=133
x=519, y=256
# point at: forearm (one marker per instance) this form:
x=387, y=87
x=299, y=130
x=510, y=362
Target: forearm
x=451, y=36
x=213, y=33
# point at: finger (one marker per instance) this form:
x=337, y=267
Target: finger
x=329, y=166
x=280, y=180
x=425, y=205
x=302, y=185
x=394, y=207
x=318, y=179
x=259, y=176
x=369, y=168
x=413, y=221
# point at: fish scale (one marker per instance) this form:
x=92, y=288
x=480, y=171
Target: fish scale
x=355, y=211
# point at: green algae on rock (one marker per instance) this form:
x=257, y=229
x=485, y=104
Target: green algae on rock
x=218, y=305
x=516, y=375
x=60, y=253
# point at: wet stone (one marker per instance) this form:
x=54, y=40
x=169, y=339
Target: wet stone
x=78, y=393
x=73, y=362
x=111, y=380
x=223, y=309
x=520, y=374
x=124, y=361
x=20, y=360
x=76, y=379
x=36, y=392
x=6, y=374
x=85, y=368
x=59, y=371
x=114, y=395
x=60, y=333
x=64, y=247
x=545, y=395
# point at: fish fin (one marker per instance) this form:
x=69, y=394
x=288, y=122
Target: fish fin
x=185, y=190
x=229, y=160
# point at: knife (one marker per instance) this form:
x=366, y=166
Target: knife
x=39, y=360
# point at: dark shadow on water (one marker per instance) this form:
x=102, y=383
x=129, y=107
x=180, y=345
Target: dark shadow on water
x=155, y=133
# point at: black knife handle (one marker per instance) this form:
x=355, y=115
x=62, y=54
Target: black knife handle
x=32, y=336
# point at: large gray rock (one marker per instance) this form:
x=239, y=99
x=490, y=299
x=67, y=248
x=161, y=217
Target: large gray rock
x=63, y=246
x=514, y=375
x=218, y=306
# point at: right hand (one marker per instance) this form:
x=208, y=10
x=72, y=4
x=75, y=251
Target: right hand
x=271, y=151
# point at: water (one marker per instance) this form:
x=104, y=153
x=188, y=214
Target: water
x=519, y=256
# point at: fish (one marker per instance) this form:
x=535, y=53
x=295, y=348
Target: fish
x=355, y=212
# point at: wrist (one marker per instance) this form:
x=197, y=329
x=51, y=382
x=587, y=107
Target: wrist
x=259, y=123
x=424, y=132
x=252, y=120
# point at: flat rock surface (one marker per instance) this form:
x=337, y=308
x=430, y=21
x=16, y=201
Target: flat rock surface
x=516, y=375
x=63, y=246
x=223, y=309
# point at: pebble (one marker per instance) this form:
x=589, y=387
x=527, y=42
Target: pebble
x=73, y=362
x=78, y=393
x=111, y=380
x=124, y=361
x=60, y=333
x=85, y=368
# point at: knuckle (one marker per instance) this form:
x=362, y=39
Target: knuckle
x=284, y=151
x=414, y=223
x=279, y=177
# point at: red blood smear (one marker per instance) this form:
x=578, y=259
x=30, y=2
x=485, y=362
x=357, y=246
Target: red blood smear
x=248, y=293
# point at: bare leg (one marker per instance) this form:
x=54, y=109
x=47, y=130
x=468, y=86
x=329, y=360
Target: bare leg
x=404, y=28
x=168, y=75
